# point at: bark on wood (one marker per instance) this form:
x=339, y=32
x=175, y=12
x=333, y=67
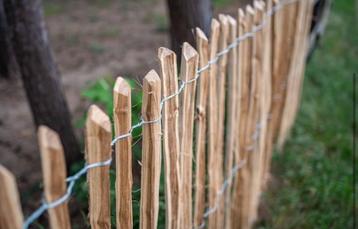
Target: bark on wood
x=185, y=16
x=8, y=65
x=39, y=73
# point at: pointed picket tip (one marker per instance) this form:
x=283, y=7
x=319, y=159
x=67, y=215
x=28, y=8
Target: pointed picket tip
x=250, y=10
x=151, y=78
x=188, y=52
x=48, y=138
x=201, y=34
x=96, y=116
x=231, y=20
x=122, y=87
x=223, y=18
x=241, y=13
x=214, y=24
x=165, y=52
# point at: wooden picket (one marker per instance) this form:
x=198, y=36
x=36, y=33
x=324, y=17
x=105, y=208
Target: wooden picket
x=235, y=99
x=98, y=148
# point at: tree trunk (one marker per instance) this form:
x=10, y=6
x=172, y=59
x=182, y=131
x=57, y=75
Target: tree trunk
x=185, y=15
x=8, y=65
x=39, y=73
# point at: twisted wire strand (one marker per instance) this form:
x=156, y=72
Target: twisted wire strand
x=74, y=178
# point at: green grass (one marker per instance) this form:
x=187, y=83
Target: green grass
x=314, y=174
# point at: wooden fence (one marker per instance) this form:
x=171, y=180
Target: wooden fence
x=215, y=128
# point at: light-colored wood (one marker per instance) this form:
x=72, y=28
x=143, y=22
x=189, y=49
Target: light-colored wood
x=122, y=117
x=168, y=63
x=266, y=98
x=10, y=209
x=98, y=149
x=189, y=65
x=301, y=64
x=54, y=175
x=201, y=120
x=231, y=126
x=257, y=101
x=283, y=37
x=249, y=120
x=151, y=152
x=240, y=124
x=283, y=30
x=295, y=77
x=212, y=123
x=221, y=82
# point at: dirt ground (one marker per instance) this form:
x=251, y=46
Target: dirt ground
x=90, y=40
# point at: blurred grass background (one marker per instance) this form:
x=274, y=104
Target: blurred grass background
x=312, y=179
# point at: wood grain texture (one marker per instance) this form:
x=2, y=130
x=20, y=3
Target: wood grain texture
x=212, y=116
x=171, y=144
x=10, y=209
x=189, y=66
x=151, y=152
x=98, y=148
x=201, y=128
x=258, y=99
x=249, y=120
x=266, y=99
x=283, y=22
x=221, y=83
x=295, y=75
x=231, y=127
x=240, y=124
x=54, y=175
x=122, y=117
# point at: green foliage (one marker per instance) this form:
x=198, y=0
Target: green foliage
x=314, y=173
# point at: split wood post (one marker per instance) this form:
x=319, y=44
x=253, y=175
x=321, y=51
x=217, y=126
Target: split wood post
x=242, y=106
x=98, y=149
x=212, y=116
x=250, y=121
x=122, y=117
x=10, y=209
x=302, y=61
x=254, y=134
x=266, y=98
x=283, y=22
x=54, y=175
x=189, y=66
x=232, y=115
x=201, y=119
x=151, y=151
x=221, y=82
x=296, y=73
x=169, y=76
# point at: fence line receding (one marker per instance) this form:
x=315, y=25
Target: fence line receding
x=214, y=124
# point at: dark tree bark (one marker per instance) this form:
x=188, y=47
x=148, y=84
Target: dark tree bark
x=8, y=65
x=39, y=73
x=185, y=16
